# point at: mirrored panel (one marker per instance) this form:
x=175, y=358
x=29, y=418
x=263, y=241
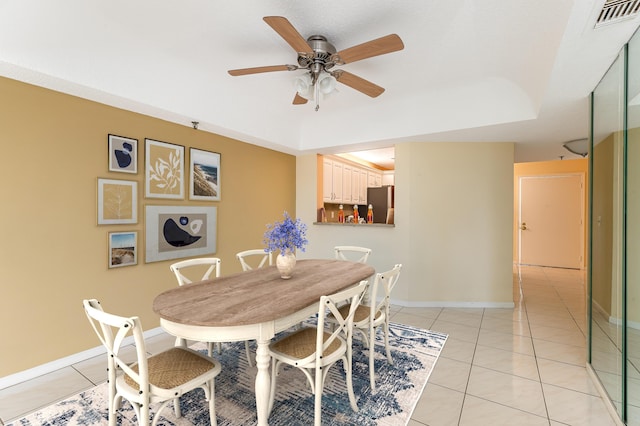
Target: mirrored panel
x=607, y=225
x=632, y=258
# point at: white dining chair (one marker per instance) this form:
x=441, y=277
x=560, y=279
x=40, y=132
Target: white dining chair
x=353, y=253
x=253, y=259
x=374, y=314
x=314, y=350
x=160, y=378
x=191, y=270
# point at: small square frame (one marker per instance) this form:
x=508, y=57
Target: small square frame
x=117, y=201
x=204, y=176
x=123, y=249
x=123, y=154
x=164, y=170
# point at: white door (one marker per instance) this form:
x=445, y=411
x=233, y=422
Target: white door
x=551, y=226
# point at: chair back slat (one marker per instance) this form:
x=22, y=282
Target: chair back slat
x=352, y=253
x=195, y=266
x=254, y=259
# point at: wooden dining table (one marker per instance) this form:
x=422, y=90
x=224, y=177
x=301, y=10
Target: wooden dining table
x=254, y=305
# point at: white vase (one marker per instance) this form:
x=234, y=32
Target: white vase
x=285, y=264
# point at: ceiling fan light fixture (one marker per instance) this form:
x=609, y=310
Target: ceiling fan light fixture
x=326, y=83
x=304, y=86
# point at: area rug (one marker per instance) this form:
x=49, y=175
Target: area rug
x=398, y=388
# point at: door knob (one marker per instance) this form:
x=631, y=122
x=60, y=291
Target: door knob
x=523, y=226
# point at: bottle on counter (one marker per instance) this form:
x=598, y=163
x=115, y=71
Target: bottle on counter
x=341, y=214
x=356, y=219
x=370, y=214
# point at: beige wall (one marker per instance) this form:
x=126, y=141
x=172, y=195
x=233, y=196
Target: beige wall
x=453, y=230
x=53, y=254
x=549, y=168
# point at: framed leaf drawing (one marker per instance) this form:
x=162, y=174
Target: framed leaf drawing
x=164, y=170
x=177, y=231
x=117, y=201
x=123, y=249
x=204, y=176
x=123, y=154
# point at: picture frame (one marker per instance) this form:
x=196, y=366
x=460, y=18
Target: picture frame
x=164, y=170
x=123, y=249
x=173, y=232
x=117, y=201
x=123, y=154
x=204, y=175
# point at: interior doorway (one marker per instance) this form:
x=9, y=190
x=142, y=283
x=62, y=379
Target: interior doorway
x=551, y=221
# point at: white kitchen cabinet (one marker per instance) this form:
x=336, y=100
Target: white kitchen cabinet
x=332, y=180
x=347, y=183
x=374, y=179
x=362, y=193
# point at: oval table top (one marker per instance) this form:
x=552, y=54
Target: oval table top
x=259, y=295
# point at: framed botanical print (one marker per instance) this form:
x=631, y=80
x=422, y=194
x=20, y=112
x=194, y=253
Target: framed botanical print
x=123, y=154
x=172, y=232
x=164, y=170
x=123, y=249
x=204, y=176
x=117, y=201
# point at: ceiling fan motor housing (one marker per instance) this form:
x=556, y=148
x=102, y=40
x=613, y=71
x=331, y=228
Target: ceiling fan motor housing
x=322, y=53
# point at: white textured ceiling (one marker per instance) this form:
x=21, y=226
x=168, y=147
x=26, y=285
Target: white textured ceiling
x=472, y=70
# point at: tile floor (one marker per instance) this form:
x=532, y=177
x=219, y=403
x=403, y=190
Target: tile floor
x=522, y=366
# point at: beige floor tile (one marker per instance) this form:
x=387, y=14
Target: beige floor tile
x=458, y=350
x=471, y=320
x=18, y=400
x=477, y=411
x=423, y=312
x=457, y=331
x=438, y=406
x=560, y=352
x=559, y=335
x=506, y=389
x=451, y=374
x=521, y=328
x=566, y=376
x=506, y=341
x=506, y=362
x=575, y=408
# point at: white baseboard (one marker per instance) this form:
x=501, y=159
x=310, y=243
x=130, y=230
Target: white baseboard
x=52, y=366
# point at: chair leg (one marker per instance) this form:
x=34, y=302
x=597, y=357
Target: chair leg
x=176, y=407
x=347, y=368
x=386, y=342
x=248, y=352
x=372, y=354
x=212, y=403
x=317, y=411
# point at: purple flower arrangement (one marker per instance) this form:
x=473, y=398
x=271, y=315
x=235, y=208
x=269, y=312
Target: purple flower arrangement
x=286, y=235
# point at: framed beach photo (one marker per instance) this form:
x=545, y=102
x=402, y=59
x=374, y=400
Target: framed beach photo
x=123, y=154
x=173, y=232
x=204, y=176
x=117, y=201
x=123, y=249
x=164, y=170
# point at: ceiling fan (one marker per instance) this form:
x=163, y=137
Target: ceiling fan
x=318, y=57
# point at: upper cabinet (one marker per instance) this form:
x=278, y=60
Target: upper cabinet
x=347, y=183
x=332, y=180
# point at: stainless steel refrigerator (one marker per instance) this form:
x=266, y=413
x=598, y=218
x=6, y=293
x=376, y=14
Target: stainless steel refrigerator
x=381, y=199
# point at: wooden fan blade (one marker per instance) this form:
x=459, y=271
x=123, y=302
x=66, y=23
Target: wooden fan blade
x=299, y=100
x=256, y=70
x=287, y=31
x=358, y=83
x=379, y=46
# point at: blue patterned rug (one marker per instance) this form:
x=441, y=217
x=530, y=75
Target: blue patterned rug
x=399, y=386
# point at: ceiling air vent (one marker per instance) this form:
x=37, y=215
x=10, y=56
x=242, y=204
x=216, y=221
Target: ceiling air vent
x=617, y=10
